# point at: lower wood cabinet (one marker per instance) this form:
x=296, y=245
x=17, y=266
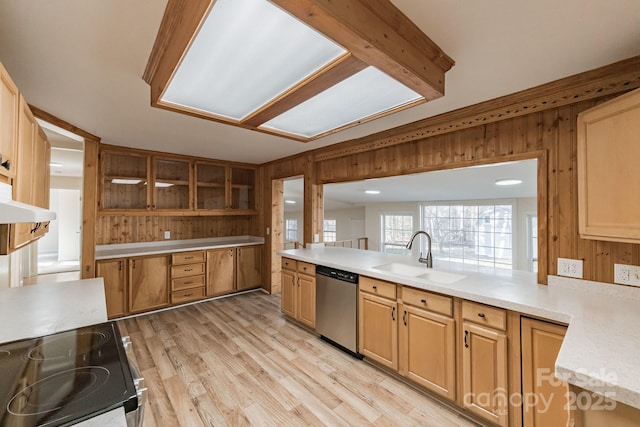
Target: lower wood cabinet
x=378, y=329
x=114, y=273
x=187, y=276
x=541, y=343
x=298, y=290
x=484, y=372
x=148, y=283
x=221, y=275
x=248, y=267
x=427, y=350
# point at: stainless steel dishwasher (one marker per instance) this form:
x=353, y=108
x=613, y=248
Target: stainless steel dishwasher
x=337, y=308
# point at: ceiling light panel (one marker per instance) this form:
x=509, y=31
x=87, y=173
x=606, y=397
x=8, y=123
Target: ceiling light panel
x=246, y=53
x=365, y=94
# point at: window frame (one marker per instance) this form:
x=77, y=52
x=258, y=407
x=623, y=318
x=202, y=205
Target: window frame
x=287, y=230
x=383, y=244
x=333, y=234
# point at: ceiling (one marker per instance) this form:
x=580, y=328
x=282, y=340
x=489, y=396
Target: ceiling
x=470, y=183
x=83, y=61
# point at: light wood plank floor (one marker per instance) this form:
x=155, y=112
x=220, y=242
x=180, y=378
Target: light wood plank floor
x=237, y=362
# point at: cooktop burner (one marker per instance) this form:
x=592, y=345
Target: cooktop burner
x=64, y=378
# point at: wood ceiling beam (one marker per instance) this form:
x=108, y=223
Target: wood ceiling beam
x=344, y=67
x=379, y=34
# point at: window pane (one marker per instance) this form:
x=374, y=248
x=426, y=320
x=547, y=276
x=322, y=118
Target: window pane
x=396, y=232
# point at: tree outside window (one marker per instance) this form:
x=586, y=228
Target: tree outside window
x=396, y=232
x=330, y=230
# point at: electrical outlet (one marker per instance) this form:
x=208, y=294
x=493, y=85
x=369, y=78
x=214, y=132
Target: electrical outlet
x=625, y=274
x=167, y=235
x=570, y=267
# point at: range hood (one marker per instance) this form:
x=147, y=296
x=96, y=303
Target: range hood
x=12, y=212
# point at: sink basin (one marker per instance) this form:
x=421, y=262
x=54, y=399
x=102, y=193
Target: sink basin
x=441, y=276
x=419, y=272
x=401, y=269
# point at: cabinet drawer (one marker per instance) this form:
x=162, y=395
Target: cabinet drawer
x=187, y=295
x=187, y=270
x=378, y=287
x=289, y=264
x=187, y=257
x=428, y=300
x=187, y=282
x=484, y=315
x=306, y=268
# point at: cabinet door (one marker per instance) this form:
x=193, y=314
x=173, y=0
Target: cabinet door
x=307, y=300
x=220, y=271
x=40, y=180
x=148, y=283
x=485, y=373
x=379, y=330
x=427, y=350
x=211, y=181
x=124, y=181
x=249, y=267
x=243, y=183
x=9, y=107
x=541, y=343
x=171, y=184
x=114, y=274
x=289, y=293
x=23, y=184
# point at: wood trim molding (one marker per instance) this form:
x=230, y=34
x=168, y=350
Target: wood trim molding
x=341, y=69
x=50, y=118
x=610, y=79
x=379, y=34
x=89, y=208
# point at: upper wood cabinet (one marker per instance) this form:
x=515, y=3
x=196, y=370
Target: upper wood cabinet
x=137, y=181
x=608, y=173
x=9, y=106
x=125, y=177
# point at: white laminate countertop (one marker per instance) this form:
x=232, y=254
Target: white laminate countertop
x=601, y=349
x=170, y=246
x=37, y=310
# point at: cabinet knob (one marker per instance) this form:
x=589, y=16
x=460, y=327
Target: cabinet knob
x=188, y=269
x=374, y=287
x=423, y=300
x=481, y=315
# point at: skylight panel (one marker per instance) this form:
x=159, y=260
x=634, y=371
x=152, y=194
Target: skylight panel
x=246, y=53
x=365, y=94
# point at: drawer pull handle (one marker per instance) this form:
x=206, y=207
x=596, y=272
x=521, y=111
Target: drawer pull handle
x=466, y=336
x=188, y=257
x=187, y=295
x=188, y=269
x=393, y=314
x=423, y=300
x=481, y=315
x=188, y=283
x=404, y=317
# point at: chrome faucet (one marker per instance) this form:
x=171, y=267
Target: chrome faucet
x=429, y=259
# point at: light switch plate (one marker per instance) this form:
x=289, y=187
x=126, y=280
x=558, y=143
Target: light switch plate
x=570, y=267
x=167, y=235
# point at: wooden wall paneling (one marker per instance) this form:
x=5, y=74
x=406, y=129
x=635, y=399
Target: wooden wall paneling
x=272, y=283
x=543, y=208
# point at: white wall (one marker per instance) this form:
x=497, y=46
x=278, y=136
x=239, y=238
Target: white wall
x=343, y=219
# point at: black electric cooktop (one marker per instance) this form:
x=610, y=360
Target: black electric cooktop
x=64, y=378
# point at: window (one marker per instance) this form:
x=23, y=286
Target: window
x=291, y=229
x=477, y=233
x=396, y=232
x=330, y=230
x=532, y=242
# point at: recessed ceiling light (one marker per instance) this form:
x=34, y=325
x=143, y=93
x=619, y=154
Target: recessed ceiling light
x=372, y=191
x=55, y=164
x=126, y=181
x=508, y=182
x=290, y=202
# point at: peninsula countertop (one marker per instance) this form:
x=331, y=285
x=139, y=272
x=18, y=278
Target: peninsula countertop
x=170, y=246
x=37, y=310
x=601, y=346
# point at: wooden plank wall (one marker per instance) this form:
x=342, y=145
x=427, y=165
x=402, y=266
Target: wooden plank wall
x=130, y=229
x=550, y=134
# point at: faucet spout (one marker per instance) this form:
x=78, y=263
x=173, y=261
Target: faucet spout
x=428, y=260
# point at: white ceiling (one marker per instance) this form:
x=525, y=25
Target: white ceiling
x=470, y=183
x=83, y=61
